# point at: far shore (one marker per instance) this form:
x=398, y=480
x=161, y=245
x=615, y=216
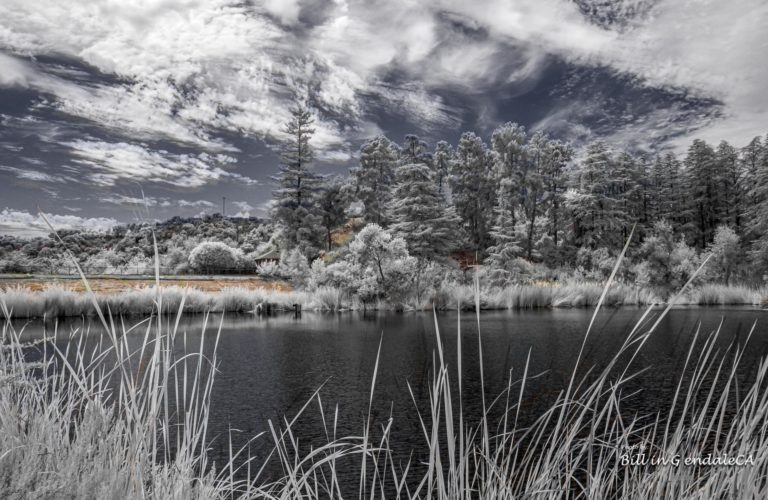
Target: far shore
x=54, y=297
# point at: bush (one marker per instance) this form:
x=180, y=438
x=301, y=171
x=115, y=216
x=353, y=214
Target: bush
x=341, y=274
x=213, y=256
x=268, y=269
x=295, y=267
x=177, y=259
x=15, y=263
x=726, y=255
x=667, y=262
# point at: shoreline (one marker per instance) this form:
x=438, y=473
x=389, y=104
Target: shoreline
x=56, y=301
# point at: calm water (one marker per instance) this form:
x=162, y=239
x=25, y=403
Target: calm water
x=269, y=367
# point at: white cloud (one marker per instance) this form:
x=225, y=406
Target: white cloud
x=710, y=49
x=244, y=208
x=24, y=224
x=33, y=175
x=704, y=48
x=196, y=203
x=12, y=72
x=285, y=10
x=120, y=162
x=265, y=208
x=143, y=201
x=188, y=68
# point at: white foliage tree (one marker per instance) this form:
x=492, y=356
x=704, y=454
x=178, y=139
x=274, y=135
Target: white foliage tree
x=383, y=265
x=374, y=178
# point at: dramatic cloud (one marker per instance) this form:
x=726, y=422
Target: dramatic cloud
x=189, y=93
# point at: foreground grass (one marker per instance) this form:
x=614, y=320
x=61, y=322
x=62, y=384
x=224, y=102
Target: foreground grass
x=86, y=424
x=57, y=301
x=122, y=423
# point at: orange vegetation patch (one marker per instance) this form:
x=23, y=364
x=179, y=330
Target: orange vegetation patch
x=344, y=234
x=466, y=258
x=114, y=285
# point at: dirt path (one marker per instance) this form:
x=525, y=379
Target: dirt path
x=112, y=285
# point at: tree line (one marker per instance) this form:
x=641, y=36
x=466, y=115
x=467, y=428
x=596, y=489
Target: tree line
x=526, y=196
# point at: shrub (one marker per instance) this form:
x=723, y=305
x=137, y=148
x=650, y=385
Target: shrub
x=268, y=269
x=726, y=254
x=341, y=274
x=213, y=256
x=177, y=259
x=667, y=262
x=295, y=267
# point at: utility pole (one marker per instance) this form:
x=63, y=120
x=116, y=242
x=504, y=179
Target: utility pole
x=223, y=206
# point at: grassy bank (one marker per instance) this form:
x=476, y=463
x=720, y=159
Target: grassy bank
x=58, y=301
x=133, y=424
x=112, y=284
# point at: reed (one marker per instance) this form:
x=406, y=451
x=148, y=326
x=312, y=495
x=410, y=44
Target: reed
x=129, y=420
x=714, y=294
x=57, y=301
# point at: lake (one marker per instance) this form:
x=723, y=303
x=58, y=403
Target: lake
x=270, y=367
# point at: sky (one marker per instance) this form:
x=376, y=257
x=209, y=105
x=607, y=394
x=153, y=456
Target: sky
x=114, y=111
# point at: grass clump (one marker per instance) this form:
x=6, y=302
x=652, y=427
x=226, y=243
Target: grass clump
x=714, y=294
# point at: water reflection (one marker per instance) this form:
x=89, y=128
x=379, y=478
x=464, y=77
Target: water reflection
x=269, y=367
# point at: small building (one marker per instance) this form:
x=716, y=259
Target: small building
x=272, y=255
x=466, y=259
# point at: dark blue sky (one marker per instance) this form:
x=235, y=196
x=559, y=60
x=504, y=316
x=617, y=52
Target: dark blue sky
x=180, y=102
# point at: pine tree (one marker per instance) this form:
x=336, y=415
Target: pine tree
x=649, y=187
x=539, y=154
x=295, y=199
x=418, y=214
x=593, y=202
x=626, y=188
x=670, y=192
x=472, y=187
x=375, y=177
x=750, y=158
x=554, y=180
x=511, y=163
x=730, y=174
x=757, y=214
x=509, y=154
x=440, y=163
x=419, y=217
x=702, y=185
x=414, y=150
x=506, y=246
x=333, y=203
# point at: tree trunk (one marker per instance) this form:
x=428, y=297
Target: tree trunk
x=418, y=280
x=531, y=226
